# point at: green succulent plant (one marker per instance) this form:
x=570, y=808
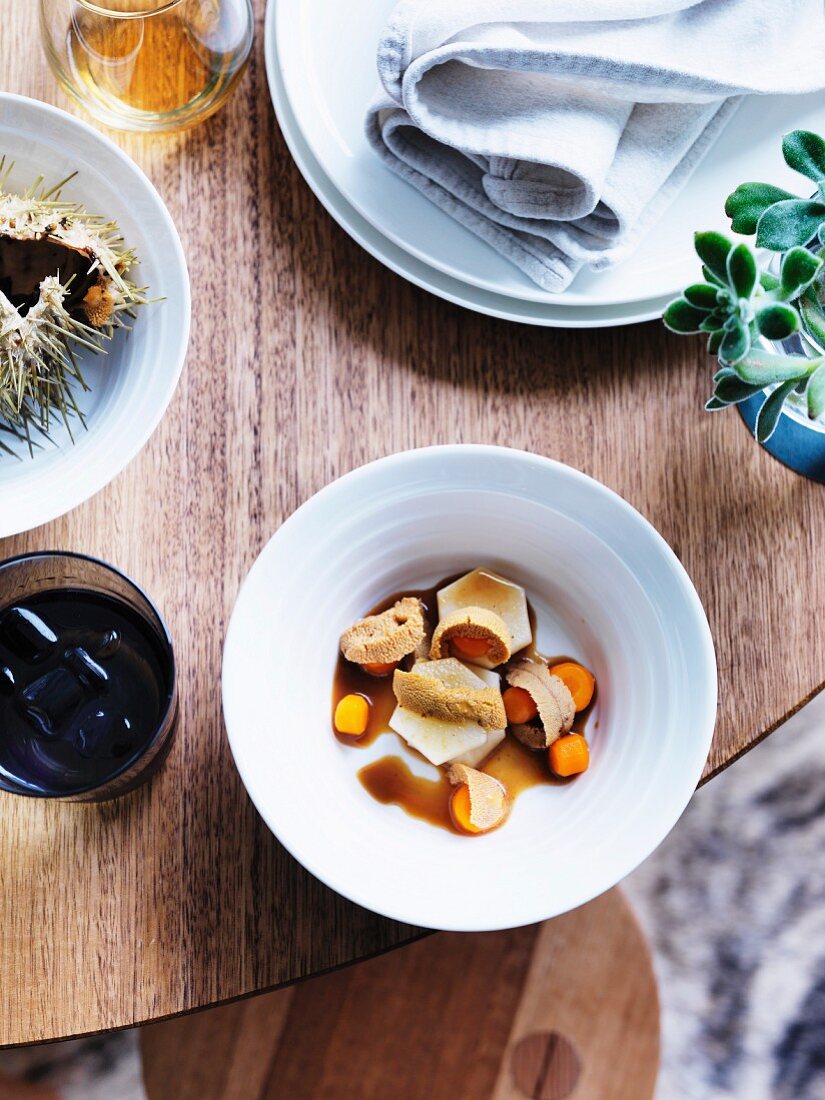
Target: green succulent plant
x=742, y=304
x=778, y=218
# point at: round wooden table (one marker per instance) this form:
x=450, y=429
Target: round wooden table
x=308, y=358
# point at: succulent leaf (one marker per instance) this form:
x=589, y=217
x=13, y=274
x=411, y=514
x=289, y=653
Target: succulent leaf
x=732, y=390
x=735, y=343
x=813, y=318
x=768, y=280
x=740, y=306
x=701, y=295
x=815, y=393
x=804, y=151
x=680, y=316
x=788, y=223
x=764, y=368
x=715, y=320
x=799, y=269
x=742, y=270
x=714, y=279
x=712, y=249
x=768, y=416
x=777, y=321
x=715, y=341
x=749, y=201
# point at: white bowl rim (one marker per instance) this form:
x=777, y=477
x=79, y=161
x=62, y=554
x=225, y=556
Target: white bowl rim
x=706, y=678
x=177, y=356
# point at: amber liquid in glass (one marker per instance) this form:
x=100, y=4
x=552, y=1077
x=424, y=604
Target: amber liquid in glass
x=179, y=64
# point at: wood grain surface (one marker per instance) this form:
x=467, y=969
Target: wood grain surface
x=307, y=359
x=565, y=1008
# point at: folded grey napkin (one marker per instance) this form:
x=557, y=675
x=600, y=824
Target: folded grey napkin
x=558, y=130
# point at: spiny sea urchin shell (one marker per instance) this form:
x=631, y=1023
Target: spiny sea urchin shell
x=63, y=286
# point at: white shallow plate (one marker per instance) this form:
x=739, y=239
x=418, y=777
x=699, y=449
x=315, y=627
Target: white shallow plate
x=606, y=587
x=549, y=314
x=132, y=385
x=327, y=55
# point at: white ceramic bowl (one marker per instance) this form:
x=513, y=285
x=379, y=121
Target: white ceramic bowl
x=606, y=588
x=132, y=385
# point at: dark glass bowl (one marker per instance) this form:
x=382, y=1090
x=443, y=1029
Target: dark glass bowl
x=59, y=757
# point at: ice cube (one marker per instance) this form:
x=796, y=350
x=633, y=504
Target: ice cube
x=88, y=671
x=7, y=682
x=108, y=645
x=26, y=635
x=102, y=733
x=100, y=644
x=50, y=702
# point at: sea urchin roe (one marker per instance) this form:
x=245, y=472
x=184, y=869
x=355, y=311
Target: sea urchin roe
x=479, y=802
x=387, y=637
x=352, y=715
x=474, y=633
x=432, y=698
x=99, y=305
x=439, y=740
x=553, y=700
x=483, y=588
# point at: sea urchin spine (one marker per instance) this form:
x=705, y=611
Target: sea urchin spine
x=64, y=287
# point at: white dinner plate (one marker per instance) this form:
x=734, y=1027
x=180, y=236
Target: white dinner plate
x=550, y=314
x=327, y=53
x=606, y=588
x=132, y=385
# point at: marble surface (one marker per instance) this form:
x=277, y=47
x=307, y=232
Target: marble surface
x=734, y=906
x=104, y=1067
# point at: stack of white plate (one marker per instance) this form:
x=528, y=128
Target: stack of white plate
x=320, y=58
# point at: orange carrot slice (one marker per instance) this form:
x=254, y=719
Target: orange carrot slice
x=377, y=669
x=569, y=755
x=352, y=715
x=469, y=647
x=580, y=683
x=519, y=705
x=460, y=809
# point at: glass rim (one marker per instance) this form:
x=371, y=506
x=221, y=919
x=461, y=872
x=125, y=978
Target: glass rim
x=165, y=638
x=97, y=8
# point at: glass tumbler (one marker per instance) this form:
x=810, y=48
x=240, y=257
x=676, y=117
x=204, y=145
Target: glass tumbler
x=148, y=64
x=88, y=688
